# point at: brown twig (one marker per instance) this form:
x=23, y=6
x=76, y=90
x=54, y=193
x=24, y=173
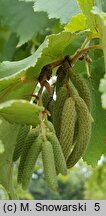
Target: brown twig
x=79, y=52
x=73, y=59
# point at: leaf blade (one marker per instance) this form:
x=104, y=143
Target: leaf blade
x=21, y=112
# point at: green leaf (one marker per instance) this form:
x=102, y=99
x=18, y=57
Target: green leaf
x=50, y=50
x=19, y=78
x=61, y=9
x=101, y=21
x=100, y=18
x=86, y=7
x=27, y=0
x=16, y=88
x=102, y=89
x=13, y=68
x=8, y=134
x=6, y=40
x=20, y=18
x=97, y=145
x=1, y=147
x=9, y=48
x=21, y=112
x=77, y=23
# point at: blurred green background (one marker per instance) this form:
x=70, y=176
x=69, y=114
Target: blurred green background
x=82, y=182
x=19, y=40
